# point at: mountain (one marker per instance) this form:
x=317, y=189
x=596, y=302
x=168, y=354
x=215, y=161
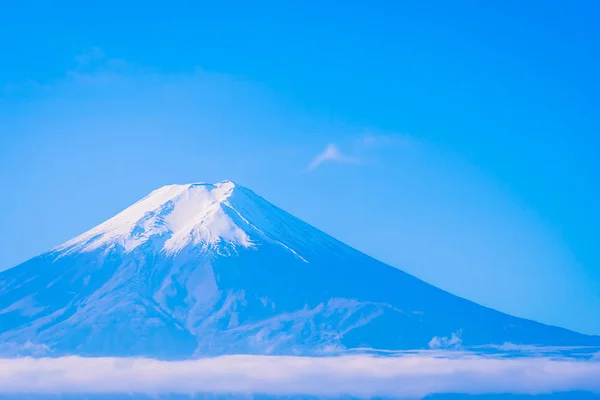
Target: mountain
x=203, y=269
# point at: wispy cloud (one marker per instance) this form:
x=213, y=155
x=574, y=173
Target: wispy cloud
x=379, y=140
x=410, y=376
x=93, y=55
x=446, y=342
x=364, y=148
x=332, y=153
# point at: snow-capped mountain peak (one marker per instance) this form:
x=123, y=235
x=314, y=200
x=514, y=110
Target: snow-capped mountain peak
x=175, y=216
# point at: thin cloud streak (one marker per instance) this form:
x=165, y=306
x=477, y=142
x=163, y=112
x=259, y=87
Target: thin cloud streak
x=331, y=154
x=410, y=376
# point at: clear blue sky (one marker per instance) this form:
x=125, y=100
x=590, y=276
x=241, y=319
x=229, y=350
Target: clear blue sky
x=459, y=140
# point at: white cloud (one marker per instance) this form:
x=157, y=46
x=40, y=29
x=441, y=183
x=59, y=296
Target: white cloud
x=446, y=342
x=331, y=153
x=411, y=375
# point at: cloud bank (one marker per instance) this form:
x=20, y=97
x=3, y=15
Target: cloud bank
x=408, y=376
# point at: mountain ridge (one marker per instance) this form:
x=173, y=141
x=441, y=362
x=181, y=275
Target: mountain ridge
x=207, y=269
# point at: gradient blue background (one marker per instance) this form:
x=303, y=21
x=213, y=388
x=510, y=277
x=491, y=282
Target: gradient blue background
x=483, y=178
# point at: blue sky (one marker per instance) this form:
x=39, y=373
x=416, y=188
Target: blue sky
x=455, y=141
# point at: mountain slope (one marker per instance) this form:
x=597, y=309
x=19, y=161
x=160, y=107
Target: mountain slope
x=213, y=269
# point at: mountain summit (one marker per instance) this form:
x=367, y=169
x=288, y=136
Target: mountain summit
x=207, y=217
x=206, y=269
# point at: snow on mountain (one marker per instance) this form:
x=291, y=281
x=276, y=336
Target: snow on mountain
x=184, y=215
x=202, y=269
